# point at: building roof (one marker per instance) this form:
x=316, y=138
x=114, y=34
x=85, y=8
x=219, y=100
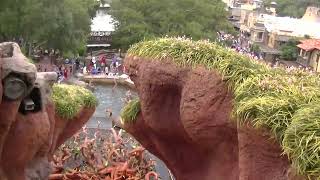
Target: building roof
x=310, y=44
x=288, y=26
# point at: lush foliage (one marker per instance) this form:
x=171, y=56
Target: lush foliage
x=255, y=48
x=69, y=99
x=283, y=100
x=61, y=24
x=293, y=8
x=144, y=19
x=301, y=140
x=130, y=112
x=289, y=51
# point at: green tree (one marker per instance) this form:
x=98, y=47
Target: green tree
x=136, y=20
x=293, y=8
x=59, y=24
x=255, y=48
x=289, y=51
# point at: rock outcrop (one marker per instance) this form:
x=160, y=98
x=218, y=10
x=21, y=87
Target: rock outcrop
x=185, y=120
x=28, y=132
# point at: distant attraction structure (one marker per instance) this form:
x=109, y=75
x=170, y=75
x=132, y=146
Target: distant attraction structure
x=312, y=14
x=99, y=43
x=101, y=29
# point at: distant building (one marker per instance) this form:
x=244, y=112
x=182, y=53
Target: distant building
x=249, y=12
x=310, y=53
x=271, y=32
x=100, y=40
x=312, y=14
x=101, y=29
x=239, y=11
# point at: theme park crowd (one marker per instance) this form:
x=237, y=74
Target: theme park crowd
x=94, y=66
x=238, y=43
x=101, y=66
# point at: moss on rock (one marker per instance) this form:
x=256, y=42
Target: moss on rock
x=284, y=100
x=70, y=99
x=130, y=112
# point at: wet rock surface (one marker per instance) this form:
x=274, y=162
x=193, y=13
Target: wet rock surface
x=28, y=130
x=185, y=121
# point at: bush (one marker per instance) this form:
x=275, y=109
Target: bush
x=130, y=112
x=255, y=48
x=289, y=51
x=302, y=139
x=69, y=99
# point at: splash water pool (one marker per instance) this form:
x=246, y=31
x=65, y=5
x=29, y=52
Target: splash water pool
x=109, y=97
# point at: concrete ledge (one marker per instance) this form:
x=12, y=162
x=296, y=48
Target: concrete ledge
x=103, y=79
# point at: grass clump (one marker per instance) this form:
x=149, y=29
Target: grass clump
x=130, y=112
x=282, y=100
x=69, y=99
x=302, y=139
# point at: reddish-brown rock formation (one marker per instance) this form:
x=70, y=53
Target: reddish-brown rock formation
x=27, y=138
x=66, y=129
x=185, y=121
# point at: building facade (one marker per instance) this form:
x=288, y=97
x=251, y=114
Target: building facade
x=271, y=32
x=309, y=54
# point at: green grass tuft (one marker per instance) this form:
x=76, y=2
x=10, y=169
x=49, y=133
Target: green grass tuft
x=69, y=99
x=284, y=100
x=130, y=112
x=302, y=139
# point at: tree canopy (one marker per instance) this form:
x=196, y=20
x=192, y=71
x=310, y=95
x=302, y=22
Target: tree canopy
x=136, y=20
x=289, y=51
x=293, y=8
x=59, y=24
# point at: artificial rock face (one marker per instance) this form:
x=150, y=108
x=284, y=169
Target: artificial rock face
x=27, y=117
x=185, y=121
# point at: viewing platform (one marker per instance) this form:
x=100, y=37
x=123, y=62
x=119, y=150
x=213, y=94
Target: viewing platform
x=108, y=79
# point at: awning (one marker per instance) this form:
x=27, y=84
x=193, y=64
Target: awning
x=291, y=63
x=98, y=45
x=257, y=28
x=283, y=38
x=268, y=50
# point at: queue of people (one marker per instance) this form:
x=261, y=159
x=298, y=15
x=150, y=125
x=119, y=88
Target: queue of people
x=64, y=71
x=238, y=43
x=102, y=67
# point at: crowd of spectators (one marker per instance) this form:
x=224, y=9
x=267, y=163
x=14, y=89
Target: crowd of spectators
x=239, y=44
x=101, y=66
